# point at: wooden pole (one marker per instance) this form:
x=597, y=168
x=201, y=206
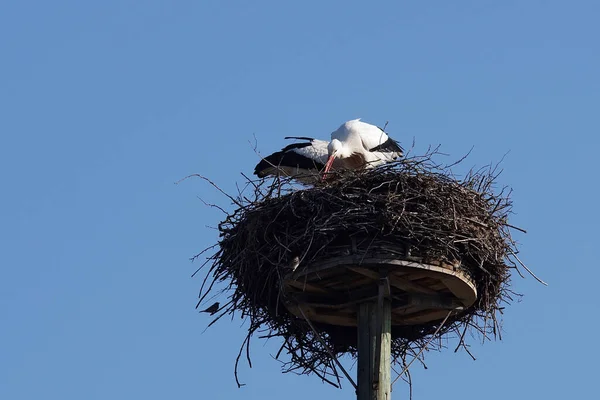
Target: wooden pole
x=374, y=333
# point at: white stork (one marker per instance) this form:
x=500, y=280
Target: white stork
x=355, y=145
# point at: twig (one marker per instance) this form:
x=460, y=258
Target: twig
x=328, y=349
x=424, y=347
x=527, y=269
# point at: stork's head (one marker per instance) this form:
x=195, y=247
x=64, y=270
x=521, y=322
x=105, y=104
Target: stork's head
x=335, y=149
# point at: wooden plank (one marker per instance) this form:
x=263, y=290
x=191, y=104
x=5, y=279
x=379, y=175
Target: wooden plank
x=306, y=287
x=399, y=313
x=377, y=259
x=405, y=310
x=466, y=295
x=325, y=274
x=366, y=272
x=374, y=380
x=438, y=286
x=366, y=344
x=334, y=300
x=434, y=302
x=335, y=319
x=423, y=316
x=405, y=284
x=395, y=281
x=414, y=275
x=318, y=316
x=384, y=387
x=350, y=284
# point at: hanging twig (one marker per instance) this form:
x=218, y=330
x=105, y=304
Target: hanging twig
x=328, y=349
x=527, y=269
x=424, y=347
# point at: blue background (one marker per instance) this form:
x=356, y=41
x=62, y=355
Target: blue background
x=104, y=105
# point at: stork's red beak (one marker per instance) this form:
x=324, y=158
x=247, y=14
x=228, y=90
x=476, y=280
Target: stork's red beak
x=328, y=165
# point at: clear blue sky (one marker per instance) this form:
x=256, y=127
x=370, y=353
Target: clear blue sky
x=104, y=105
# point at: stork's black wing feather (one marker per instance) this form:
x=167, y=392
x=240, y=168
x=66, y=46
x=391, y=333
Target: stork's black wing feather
x=389, y=146
x=310, y=139
x=287, y=158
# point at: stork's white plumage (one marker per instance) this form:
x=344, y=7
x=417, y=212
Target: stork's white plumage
x=303, y=161
x=356, y=144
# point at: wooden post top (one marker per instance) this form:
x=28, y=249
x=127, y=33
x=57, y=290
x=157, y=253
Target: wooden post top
x=329, y=291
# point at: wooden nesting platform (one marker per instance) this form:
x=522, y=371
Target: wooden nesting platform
x=330, y=291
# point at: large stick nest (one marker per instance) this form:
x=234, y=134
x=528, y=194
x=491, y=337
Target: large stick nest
x=415, y=201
